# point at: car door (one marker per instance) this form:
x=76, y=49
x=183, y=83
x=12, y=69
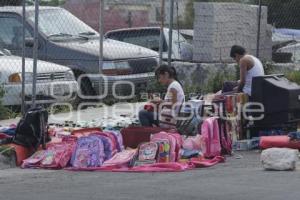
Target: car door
x=11, y=38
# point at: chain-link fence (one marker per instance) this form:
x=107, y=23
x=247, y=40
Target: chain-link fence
x=72, y=59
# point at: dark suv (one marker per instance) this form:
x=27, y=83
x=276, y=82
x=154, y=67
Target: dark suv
x=66, y=40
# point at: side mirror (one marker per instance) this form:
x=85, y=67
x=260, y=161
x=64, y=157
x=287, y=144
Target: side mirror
x=29, y=42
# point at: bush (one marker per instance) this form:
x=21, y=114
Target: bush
x=293, y=76
x=215, y=82
x=4, y=111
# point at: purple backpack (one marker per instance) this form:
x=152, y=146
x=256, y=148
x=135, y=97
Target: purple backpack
x=108, y=147
x=89, y=152
x=119, y=139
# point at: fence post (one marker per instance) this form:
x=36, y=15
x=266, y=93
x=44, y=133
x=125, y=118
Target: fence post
x=23, y=57
x=35, y=51
x=258, y=29
x=101, y=32
x=170, y=32
x=162, y=24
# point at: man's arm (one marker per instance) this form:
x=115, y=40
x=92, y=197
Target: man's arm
x=244, y=63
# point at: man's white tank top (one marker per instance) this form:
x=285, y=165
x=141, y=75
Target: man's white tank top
x=256, y=70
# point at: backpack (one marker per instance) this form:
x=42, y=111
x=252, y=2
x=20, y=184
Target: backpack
x=57, y=155
x=163, y=154
x=108, y=146
x=112, y=140
x=118, y=138
x=147, y=151
x=121, y=159
x=210, y=138
x=32, y=131
x=174, y=140
x=89, y=152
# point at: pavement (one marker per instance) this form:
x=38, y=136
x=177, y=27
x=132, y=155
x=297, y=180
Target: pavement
x=236, y=179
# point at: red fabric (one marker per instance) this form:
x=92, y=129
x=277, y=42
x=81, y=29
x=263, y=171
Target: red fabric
x=160, y=167
x=279, y=142
x=133, y=136
x=149, y=107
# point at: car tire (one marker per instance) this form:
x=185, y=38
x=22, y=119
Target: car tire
x=85, y=87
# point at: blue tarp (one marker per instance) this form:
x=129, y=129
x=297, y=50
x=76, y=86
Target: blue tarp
x=290, y=33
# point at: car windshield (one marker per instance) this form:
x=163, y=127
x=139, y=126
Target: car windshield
x=148, y=38
x=61, y=23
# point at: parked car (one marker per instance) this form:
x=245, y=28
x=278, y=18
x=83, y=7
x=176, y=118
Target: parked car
x=66, y=40
x=149, y=37
x=54, y=82
x=294, y=50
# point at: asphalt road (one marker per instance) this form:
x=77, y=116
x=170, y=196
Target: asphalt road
x=237, y=179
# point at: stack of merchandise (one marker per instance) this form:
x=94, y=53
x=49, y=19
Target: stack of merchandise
x=92, y=149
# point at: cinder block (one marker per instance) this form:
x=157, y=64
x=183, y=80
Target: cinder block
x=218, y=26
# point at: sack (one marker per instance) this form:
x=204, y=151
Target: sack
x=89, y=152
x=147, y=151
x=210, y=138
x=133, y=136
x=57, y=155
x=32, y=131
x=279, y=159
x=121, y=159
x=175, y=143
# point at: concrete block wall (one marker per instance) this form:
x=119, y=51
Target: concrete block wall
x=218, y=26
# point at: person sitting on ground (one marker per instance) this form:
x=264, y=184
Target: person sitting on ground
x=250, y=67
x=170, y=106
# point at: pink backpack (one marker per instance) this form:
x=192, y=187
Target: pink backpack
x=210, y=138
x=112, y=138
x=57, y=155
x=175, y=142
x=121, y=159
